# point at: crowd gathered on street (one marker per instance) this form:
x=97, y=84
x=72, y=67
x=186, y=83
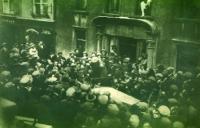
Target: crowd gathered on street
x=59, y=89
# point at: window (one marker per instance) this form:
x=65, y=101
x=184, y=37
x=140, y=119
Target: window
x=112, y=6
x=81, y=4
x=80, y=20
x=80, y=25
x=8, y=6
x=80, y=39
x=43, y=8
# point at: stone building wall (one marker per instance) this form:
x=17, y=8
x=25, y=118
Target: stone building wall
x=164, y=13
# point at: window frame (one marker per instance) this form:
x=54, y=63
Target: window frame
x=80, y=38
x=43, y=13
x=80, y=20
x=8, y=9
x=81, y=4
x=110, y=7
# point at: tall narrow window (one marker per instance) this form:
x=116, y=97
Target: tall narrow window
x=80, y=39
x=81, y=4
x=43, y=8
x=80, y=20
x=112, y=6
x=80, y=25
x=8, y=6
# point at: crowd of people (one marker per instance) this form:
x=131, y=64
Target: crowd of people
x=168, y=98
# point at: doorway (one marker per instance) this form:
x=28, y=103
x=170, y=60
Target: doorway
x=127, y=48
x=132, y=48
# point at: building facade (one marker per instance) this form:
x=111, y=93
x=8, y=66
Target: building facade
x=165, y=30
x=19, y=16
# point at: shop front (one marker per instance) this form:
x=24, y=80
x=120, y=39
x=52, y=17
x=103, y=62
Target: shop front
x=13, y=30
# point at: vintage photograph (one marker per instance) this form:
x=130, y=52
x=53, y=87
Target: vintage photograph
x=99, y=63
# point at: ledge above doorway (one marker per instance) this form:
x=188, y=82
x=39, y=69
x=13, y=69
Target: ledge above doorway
x=137, y=28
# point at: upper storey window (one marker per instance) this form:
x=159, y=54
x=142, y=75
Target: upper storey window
x=8, y=6
x=81, y=4
x=43, y=8
x=112, y=6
